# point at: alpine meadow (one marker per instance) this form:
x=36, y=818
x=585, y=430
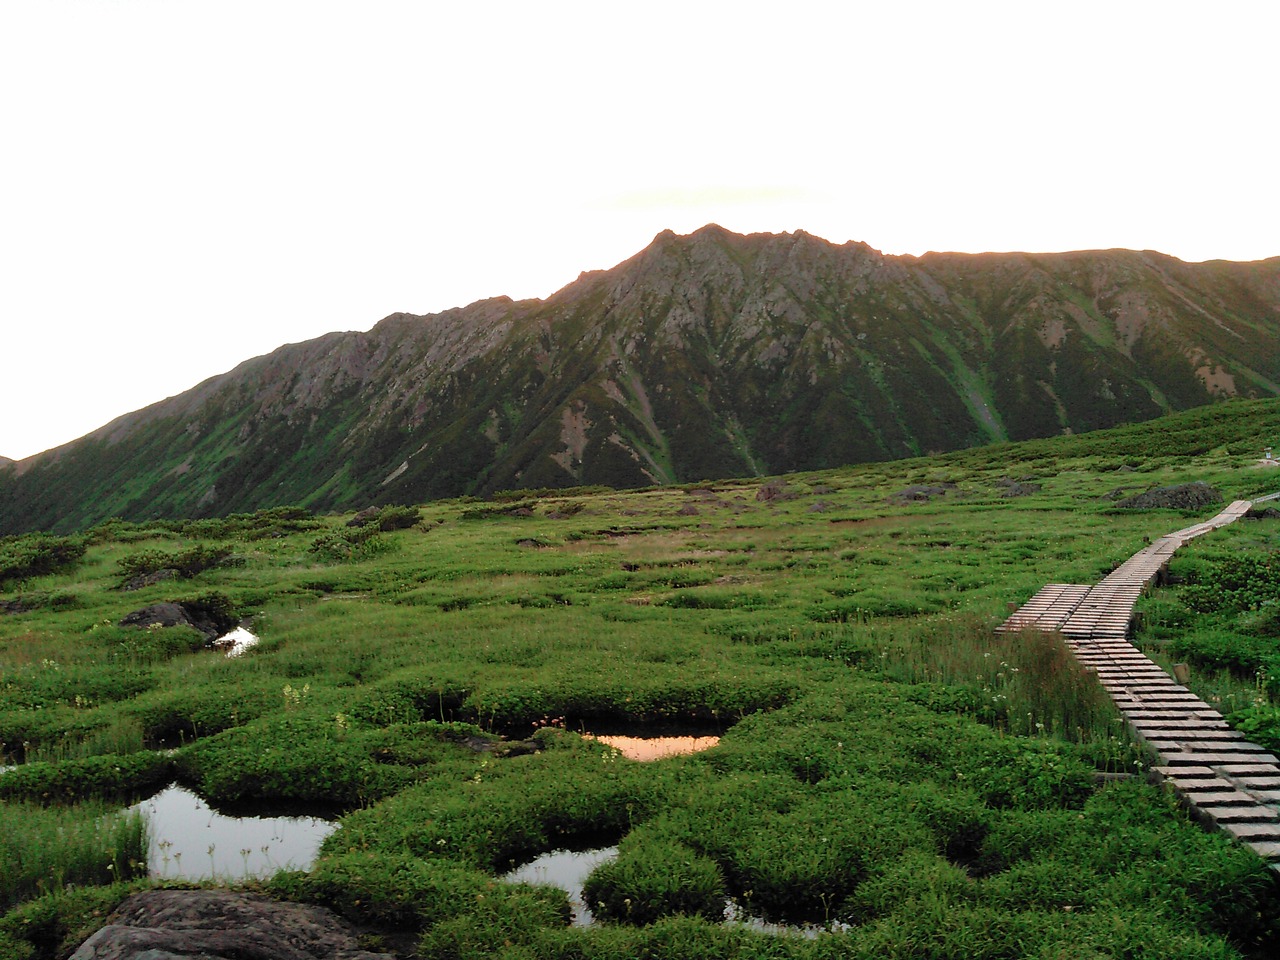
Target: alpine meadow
x=893, y=778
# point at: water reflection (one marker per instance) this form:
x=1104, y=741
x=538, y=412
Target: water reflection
x=655, y=748
x=735, y=915
x=191, y=841
x=568, y=870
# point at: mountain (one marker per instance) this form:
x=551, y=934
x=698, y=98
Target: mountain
x=706, y=355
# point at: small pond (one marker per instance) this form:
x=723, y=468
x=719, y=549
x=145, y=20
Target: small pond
x=654, y=747
x=191, y=841
x=568, y=870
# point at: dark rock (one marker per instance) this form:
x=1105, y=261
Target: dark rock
x=169, y=614
x=221, y=925
x=531, y=543
x=918, y=493
x=1017, y=488
x=772, y=491
x=518, y=748
x=364, y=517
x=821, y=506
x=1116, y=494
x=1183, y=496
x=688, y=510
x=14, y=606
x=150, y=579
x=158, y=614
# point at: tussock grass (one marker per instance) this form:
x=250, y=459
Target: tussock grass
x=49, y=849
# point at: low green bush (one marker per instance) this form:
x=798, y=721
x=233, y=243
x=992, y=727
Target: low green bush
x=173, y=716
x=38, y=555
x=349, y=545
x=188, y=563
x=300, y=758
x=397, y=518
x=649, y=881
x=104, y=777
x=1260, y=723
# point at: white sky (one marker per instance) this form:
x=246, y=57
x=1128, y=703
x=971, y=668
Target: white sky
x=184, y=185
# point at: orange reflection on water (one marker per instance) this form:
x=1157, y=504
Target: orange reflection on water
x=655, y=748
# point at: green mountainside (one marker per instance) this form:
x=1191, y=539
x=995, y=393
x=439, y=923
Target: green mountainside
x=707, y=355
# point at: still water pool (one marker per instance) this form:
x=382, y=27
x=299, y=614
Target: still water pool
x=568, y=870
x=192, y=841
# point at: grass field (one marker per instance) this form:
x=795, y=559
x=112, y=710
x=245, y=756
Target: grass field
x=888, y=767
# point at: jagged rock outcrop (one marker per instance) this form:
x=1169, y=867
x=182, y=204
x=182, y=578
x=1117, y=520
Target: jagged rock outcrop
x=708, y=355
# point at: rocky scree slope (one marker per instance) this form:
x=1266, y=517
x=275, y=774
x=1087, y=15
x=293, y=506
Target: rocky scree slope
x=707, y=355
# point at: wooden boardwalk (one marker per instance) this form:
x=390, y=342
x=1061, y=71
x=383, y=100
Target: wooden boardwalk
x=1225, y=780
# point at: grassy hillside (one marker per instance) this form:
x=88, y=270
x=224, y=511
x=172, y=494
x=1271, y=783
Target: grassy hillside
x=887, y=767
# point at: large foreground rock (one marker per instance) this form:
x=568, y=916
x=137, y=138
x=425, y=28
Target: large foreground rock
x=221, y=925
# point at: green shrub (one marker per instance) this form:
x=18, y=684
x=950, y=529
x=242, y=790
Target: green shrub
x=397, y=518
x=649, y=881
x=1235, y=582
x=1260, y=723
x=104, y=777
x=188, y=563
x=303, y=758
x=349, y=545
x=37, y=555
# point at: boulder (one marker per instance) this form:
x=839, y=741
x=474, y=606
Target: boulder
x=158, y=615
x=919, y=493
x=774, y=490
x=365, y=517
x=150, y=579
x=210, y=622
x=1183, y=496
x=221, y=925
x=1017, y=488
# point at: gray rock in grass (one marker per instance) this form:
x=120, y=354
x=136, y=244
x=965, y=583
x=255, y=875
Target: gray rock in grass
x=221, y=925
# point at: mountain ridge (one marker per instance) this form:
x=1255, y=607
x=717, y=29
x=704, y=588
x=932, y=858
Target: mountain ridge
x=707, y=354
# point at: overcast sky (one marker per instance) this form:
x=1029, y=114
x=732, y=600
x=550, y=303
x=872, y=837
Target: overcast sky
x=186, y=185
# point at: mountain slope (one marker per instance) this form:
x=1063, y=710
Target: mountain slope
x=706, y=355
